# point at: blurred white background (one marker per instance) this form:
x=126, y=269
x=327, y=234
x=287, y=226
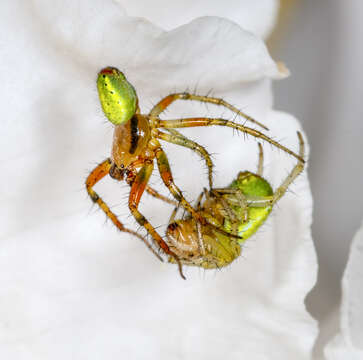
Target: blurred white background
x=321, y=43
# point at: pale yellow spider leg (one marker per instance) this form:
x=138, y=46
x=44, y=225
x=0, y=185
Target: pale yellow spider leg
x=194, y=122
x=173, y=214
x=183, y=141
x=161, y=197
x=263, y=201
x=165, y=102
x=237, y=198
x=260, y=160
x=298, y=168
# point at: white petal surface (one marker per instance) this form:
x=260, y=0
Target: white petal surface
x=348, y=343
x=73, y=287
x=256, y=16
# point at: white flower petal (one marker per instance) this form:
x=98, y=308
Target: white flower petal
x=74, y=287
x=348, y=343
x=256, y=16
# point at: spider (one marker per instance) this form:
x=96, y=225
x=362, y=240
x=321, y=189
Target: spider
x=241, y=208
x=136, y=145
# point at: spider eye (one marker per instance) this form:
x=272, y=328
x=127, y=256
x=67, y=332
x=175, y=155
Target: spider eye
x=117, y=96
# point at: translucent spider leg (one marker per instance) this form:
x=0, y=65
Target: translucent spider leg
x=94, y=177
x=195, y=122
x=137, y=189
x=299, y=167
x=173, y=214
x=179, y=139
x=165, y=102
x=260, y=160
x=237, y=198
x=226, y=208
x=161, y=197
x=281, y=190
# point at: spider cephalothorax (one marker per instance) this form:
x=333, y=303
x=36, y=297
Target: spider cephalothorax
x=136, y=145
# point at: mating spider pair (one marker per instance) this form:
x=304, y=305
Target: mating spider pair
x=240, y=209
x=136, y=145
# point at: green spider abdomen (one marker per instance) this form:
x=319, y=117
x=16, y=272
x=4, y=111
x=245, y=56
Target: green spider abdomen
x=117, y=96
x=255, y=187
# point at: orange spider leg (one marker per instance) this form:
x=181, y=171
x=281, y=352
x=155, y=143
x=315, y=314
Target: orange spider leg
x=94, y=177
x=137, y=189
x=165, y=102
x=138, y=164
x=167, y=177
x=203, y=121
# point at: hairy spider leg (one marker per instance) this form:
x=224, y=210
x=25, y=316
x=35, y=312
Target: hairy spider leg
x=165, y=173
x=173, y=214
x=237, y=198
x=177, y=138
x=137, y=189
x=226, y=208
x=260, y=160
x=281, y=190
x=161, y=197
x=94, y=177
x=183, y=234
x=227, y=211
x=296, y=171
x=167, y=177
x=182, y=140
x=199, y=200
x=165, y=102
x=204, y=121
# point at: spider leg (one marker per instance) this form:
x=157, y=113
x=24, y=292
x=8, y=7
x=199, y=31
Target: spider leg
x=228, y=212
x=165, y=102
x=161, y=197
x=95, y=176
x=137, y=188
x=179, y=139
x=235, y=198
x=167, y=177
x=200, y=238
x=173, y=214
x=264, y=201
x=298, y=168
x=199, y=200
x=165, y=173
x=260, y=160
x=203, y=121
